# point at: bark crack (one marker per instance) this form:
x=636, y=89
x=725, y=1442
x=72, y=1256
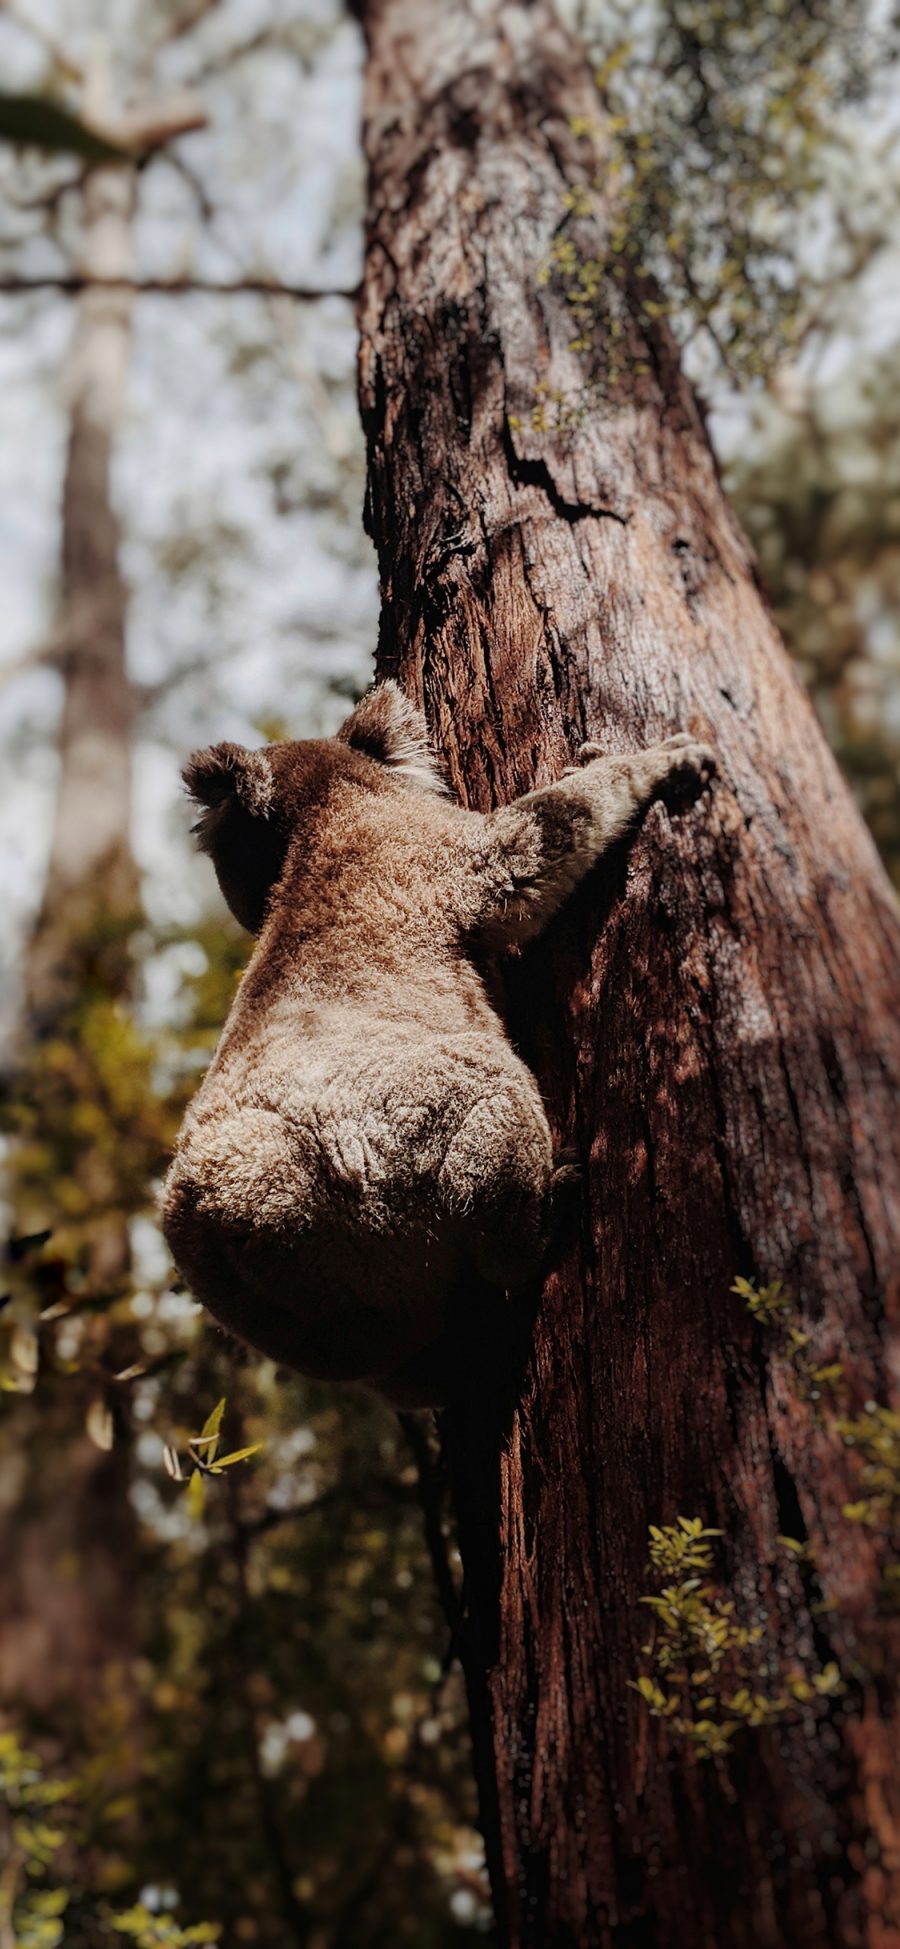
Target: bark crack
x=528, y=470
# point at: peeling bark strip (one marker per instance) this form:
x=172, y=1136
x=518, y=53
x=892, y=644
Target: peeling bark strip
x=714, y=1025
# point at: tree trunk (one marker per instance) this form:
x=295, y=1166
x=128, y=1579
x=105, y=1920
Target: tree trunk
x=91, y=882
x=714, y=1024
x=67, y=1531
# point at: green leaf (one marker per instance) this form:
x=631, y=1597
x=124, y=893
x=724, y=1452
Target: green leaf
x=793, y=1544
x=196, y=1494
x=237, y=1455
x=828, y=1680
x=50, y=1901
x=35, y=122
x=209, y=1433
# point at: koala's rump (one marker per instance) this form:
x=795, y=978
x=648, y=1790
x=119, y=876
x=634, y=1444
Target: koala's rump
x=331, y=1304
x=307, y=1204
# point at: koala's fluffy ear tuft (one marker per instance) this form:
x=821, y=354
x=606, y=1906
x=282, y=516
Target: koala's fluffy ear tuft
x=387, y=727
x=235, y=790
x=224, y=775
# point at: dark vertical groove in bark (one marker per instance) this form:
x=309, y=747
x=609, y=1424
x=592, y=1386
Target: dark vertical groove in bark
x=714, y=1022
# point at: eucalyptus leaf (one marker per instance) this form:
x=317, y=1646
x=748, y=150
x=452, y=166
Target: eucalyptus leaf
x=238, y=1455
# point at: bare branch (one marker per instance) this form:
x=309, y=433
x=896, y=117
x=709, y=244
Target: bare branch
x=44, y=656
x=217, y=64
x=369, y=1495
x=148, y=694
x=49, y=200
x=179, y=27
x=71, y=283
x=75, y=626
x=206, y=208
x=150, y=125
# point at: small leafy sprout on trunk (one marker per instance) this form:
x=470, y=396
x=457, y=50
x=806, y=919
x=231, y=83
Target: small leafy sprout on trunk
x=874, y=1434
x=774, y=1307
x=710, y=1674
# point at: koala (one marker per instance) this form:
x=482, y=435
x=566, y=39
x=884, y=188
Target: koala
x=367, y=1142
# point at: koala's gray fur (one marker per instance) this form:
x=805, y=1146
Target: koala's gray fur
x=366, y=1136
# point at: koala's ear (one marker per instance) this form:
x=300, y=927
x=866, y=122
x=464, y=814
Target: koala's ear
x=224, y=775
x=387, y=727
x=234, y=789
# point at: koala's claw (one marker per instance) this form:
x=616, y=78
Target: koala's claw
x=690, y=769
x=691, y=755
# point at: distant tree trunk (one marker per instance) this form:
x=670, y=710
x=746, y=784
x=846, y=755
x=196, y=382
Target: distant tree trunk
x=714, y=1026
x=91, y=872
x=90, y=902
x=67, y=1533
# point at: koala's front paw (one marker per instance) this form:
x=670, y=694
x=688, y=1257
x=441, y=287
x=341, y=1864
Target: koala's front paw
x=685, y=766
x=688, y=753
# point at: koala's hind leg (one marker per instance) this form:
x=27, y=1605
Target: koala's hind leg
x=497, y=1176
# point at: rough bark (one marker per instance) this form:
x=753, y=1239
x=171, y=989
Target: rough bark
x=714, y=1023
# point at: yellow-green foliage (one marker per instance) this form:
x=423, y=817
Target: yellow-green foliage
x=88, y=1126
x=771, y=1304
x=819, y=494
x=149, y=1931
x=98, y=1098
x=715, y=128
x=773, y=1308
x=709, y=1672
x=205, y=1458
x=35, y=1848
x=31, y=1907
x=682, y=1546
x=873, y=1435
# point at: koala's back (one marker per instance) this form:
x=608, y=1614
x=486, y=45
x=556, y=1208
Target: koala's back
x=366, y=1133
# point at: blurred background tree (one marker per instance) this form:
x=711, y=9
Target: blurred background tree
x=251, y=1695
